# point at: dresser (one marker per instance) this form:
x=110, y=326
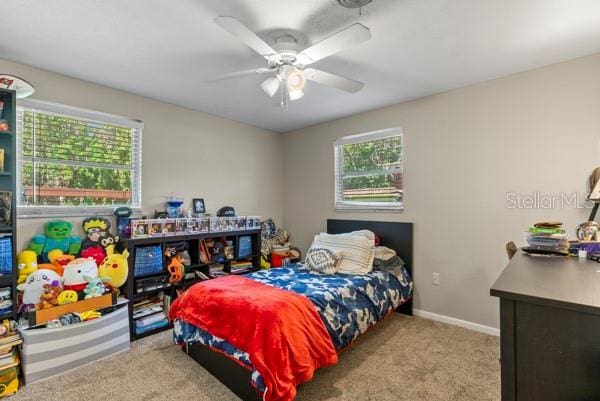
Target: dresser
x=549, y=329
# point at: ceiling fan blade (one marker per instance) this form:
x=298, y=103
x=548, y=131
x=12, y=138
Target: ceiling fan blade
x=239, y=74
x=250, y=39
x=347, y=37
x=329, y=79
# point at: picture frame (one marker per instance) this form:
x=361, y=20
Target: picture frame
x=198, y=206
x=244, y=248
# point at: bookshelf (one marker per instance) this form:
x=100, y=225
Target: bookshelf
x=136, y=290
x=8, y=229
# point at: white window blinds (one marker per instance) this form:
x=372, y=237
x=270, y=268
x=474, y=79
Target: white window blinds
x=369, y=171
x=72, y=161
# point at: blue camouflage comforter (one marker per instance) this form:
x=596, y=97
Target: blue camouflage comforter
x=347, y=304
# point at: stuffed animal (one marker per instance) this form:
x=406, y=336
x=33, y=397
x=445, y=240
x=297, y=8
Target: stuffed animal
x=58, y=261
x=95, y=287
x=67, y=297
x=95, y=252
x=27, y=264
x=116, y=267
x=97, y=233
x=176, y=269
x=74, y=272
x=49, y=298
x=57, y=235
x=33, y=287
x=89, y=315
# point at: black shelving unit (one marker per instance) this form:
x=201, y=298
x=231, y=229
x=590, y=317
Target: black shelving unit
x=8, y=183
x=130, y=289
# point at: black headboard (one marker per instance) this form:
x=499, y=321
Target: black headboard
x=395, y=235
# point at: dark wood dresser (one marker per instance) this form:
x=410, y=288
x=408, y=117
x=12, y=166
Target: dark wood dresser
x=549, y=329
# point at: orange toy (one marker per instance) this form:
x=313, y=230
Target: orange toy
x=57, y=261
x=49, y=297
x=176, y=269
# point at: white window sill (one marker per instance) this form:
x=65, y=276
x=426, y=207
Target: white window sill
x=33, y=212
x=357, y=207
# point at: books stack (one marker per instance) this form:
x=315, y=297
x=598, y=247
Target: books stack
x=9, y=362
x=151, y=313
x=547, y=238
x=217, y=270
x=241, y=266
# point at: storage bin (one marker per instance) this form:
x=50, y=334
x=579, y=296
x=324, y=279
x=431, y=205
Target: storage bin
x=148, y=260
x=6, y=266
x=50, y=352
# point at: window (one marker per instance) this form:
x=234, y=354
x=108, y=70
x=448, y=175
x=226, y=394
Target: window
x=72, y=161
x=368, y=171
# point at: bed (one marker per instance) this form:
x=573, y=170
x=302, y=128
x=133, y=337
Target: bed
x=347, y=304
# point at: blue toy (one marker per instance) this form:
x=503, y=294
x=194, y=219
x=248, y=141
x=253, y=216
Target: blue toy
x=95, y=287
x=57, y=235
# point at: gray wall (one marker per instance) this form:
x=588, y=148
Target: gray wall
x=185, y=153
x=464, y=151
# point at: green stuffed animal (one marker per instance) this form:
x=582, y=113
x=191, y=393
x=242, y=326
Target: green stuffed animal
x=57, y=235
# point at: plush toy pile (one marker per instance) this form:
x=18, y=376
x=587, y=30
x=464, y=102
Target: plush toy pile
x=276, y=246
x=59, y=268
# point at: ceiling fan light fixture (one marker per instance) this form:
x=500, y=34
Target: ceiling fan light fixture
x=295, y=95
x=295, y=80
x=353, y=3
x=271, y=85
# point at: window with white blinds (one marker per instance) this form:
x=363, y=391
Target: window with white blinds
x=369, y=171
x=72, y=161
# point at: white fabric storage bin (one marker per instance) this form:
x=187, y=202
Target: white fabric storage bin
x=50, y=352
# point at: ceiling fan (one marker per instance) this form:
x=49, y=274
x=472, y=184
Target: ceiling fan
x=289, y=66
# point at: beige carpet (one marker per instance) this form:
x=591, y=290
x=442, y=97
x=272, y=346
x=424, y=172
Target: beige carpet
x=402, y=358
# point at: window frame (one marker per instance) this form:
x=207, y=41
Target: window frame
x=35, y=211
x=344, y=205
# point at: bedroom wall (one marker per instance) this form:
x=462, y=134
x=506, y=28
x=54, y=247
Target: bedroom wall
x=465, y=150
x=185, y=152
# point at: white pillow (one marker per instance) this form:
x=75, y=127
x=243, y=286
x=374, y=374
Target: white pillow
x=384, y=253
x=357, y=251
x=370, y=235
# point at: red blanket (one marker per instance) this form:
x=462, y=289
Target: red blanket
x=280, y=330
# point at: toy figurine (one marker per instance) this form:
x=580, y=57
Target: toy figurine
x=27, y=264
x=116, y=267
x=95, y=287
x=97, y=233
x=57, y=235
x=176, y=269
x=33, y=287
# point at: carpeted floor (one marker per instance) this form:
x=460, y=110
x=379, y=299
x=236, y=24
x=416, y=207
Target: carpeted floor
x=402, y=358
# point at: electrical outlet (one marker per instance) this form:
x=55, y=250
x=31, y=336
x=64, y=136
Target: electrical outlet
x=435, y=278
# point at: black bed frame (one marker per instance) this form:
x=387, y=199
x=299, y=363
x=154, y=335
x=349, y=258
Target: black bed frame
x=395, y=235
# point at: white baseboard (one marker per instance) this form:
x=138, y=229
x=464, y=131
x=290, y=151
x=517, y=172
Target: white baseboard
x=457, y=322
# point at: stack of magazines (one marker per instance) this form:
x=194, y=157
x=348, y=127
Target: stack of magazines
x=547, y=238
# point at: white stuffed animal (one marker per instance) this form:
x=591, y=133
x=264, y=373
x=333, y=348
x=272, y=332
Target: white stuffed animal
x=33, y=287
x=74, y=272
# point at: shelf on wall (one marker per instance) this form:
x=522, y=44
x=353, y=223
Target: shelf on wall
x=171, y=289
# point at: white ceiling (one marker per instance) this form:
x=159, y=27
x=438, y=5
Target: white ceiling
x=167, y=49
